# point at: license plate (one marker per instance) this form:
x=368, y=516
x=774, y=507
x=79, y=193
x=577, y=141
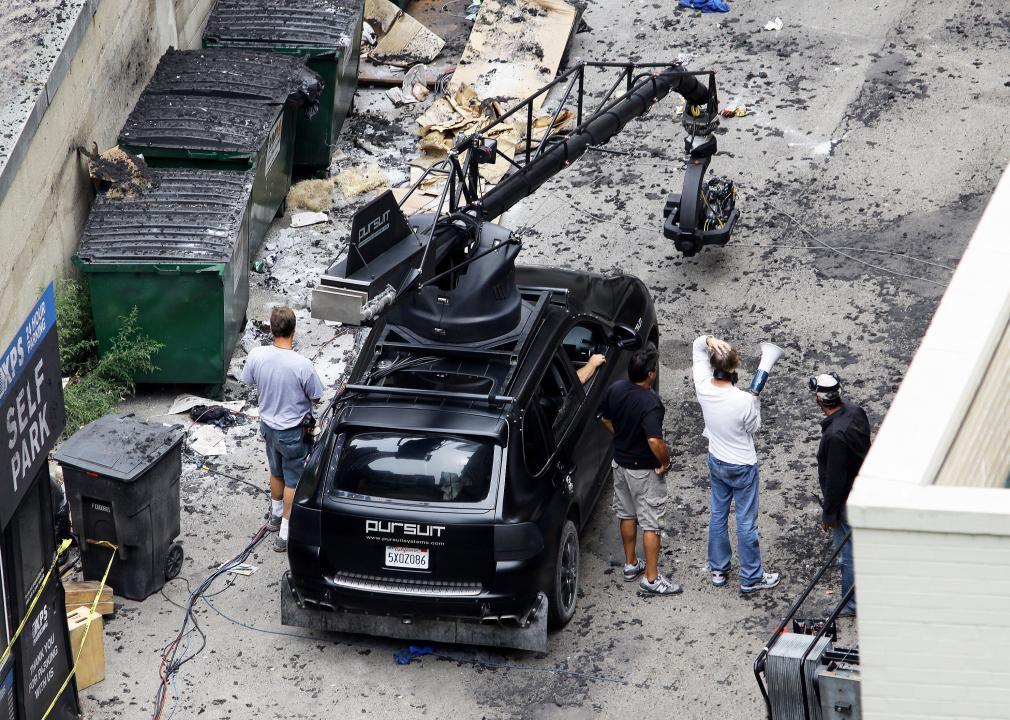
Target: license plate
x=407, y=557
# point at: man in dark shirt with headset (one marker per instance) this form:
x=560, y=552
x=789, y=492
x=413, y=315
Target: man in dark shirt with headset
x=845, y=439
x=633, y=411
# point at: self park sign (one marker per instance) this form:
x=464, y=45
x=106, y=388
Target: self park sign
x=32, y=415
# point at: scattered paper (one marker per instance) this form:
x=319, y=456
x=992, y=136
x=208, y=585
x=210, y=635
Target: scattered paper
x=207, y=440
x=368, y=36
x=775, y=24
x=462, y=111
x=184, y=403
x=304, y=219
x=244, y=569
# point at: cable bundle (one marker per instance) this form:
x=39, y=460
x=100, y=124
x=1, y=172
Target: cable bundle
x=176, y=653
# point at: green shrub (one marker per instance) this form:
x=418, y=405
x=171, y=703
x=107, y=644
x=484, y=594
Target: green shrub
x=97, y=385
x=75, y=328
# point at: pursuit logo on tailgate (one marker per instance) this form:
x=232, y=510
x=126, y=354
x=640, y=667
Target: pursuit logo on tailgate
x=390, y=527
x=408, y=533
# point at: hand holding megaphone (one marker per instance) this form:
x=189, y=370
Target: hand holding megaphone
x=770, y=354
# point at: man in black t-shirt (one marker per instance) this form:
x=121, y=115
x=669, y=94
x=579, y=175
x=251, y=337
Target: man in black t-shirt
x=633, y=412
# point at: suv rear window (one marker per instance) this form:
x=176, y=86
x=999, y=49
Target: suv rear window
x=426, y=468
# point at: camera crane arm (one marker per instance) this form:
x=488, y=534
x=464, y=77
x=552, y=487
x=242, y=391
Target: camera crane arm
x=391, y=256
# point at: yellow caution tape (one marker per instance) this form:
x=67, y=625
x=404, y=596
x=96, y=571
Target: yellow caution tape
x=64, y=546
x=87, y=626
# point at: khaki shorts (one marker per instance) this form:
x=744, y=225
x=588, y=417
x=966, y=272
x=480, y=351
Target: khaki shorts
x=640, y=495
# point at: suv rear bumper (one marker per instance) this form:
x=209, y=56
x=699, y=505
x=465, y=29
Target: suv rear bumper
x=413, y=617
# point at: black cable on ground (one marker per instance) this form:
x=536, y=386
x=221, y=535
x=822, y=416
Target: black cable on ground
x=171, y=658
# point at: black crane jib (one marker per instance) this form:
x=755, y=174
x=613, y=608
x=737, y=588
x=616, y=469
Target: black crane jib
x=597, y=130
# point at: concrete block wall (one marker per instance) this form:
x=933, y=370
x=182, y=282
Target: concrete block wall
x=49, y=196
x=934, y=625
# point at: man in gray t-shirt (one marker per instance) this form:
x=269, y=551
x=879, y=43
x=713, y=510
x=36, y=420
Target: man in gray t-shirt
x=288, y=386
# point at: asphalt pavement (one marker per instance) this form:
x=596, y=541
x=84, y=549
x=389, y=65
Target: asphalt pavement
x=878, y=129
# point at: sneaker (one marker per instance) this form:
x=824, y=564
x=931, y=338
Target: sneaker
x=631, y=572
x=660, y=586
x=280, y=544
x=273, y=523
x=769, y=581
x=718, y=578
x=847, y=612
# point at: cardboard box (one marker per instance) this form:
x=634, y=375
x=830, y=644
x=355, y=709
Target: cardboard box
x=91, y=663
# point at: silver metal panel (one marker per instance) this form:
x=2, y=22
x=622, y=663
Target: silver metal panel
x=338, y=304
x=782, y=673
x=840, y=694
x=419, y=588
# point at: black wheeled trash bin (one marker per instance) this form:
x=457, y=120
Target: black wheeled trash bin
x=122, y=480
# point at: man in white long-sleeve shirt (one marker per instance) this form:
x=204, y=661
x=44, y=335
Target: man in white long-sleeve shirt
x=732, y=416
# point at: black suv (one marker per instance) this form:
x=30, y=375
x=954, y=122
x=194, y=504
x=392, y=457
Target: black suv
x=448, y=489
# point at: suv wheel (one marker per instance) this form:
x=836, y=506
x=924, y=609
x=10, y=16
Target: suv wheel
x=565, y=589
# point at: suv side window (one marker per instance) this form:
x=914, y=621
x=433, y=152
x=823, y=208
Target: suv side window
x=583, y=340
x=537, y=438
x=559, y=395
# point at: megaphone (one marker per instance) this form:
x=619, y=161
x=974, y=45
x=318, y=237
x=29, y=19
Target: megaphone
x=770, y=354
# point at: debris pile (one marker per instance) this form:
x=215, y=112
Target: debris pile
x=117, y=173
x=462, y=112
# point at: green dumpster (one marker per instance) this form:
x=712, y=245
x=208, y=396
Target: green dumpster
x=328, y=32
x=216, y=133
x=179, y=253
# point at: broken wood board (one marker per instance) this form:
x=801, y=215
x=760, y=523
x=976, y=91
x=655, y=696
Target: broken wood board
x=452, y=27
x=403, y=41
x=81, y=593
x=515, y=48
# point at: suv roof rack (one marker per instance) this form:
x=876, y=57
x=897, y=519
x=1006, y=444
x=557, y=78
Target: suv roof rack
x=491, y=398
x=506, y=350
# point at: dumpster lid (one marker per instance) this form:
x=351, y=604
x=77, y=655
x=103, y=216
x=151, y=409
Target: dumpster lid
x=284, y=23
x=198, y=122
x=122, y=446
x=236, y=73
x=191, y=216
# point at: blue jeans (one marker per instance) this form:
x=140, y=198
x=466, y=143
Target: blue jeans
x=838, y=533
x=739, y=484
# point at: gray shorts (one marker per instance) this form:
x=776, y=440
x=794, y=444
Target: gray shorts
x=286, y=453
x=640, y=495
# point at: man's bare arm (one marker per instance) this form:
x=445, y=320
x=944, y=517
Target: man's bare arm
x=607, y=424
x=662, y=453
